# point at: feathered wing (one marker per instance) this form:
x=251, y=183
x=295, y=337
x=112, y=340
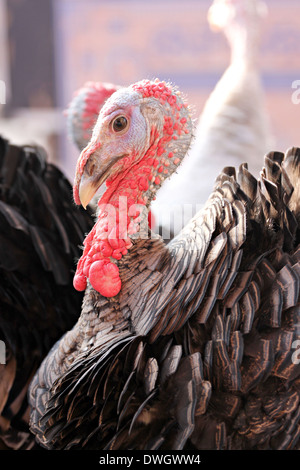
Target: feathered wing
x=40, y=235
x=210, y=363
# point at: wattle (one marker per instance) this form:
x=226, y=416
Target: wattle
x=104, y=277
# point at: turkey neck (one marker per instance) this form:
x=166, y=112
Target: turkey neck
x=244, y=51
x=102, y=318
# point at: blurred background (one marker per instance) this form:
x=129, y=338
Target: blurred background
x=50, y=48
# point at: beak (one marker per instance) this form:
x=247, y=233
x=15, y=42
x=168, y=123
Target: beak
x=89, y=177
x=87, y=189
x=85, y=185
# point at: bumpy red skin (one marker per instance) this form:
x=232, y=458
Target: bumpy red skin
x=108, y=242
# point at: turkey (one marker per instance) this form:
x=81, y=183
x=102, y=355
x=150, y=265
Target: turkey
x=190, y=345
x=41, y=231
x=234, y=124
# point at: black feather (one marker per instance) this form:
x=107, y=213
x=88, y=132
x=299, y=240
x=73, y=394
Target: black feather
x=40, y=235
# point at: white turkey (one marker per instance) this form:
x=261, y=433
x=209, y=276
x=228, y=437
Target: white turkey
x=187, y=345
x=234, y=124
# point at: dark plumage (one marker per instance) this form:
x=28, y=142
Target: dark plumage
x=40, y=235
x=196, y=350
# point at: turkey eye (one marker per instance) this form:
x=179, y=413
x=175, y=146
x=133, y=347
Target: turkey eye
x=119, y=124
